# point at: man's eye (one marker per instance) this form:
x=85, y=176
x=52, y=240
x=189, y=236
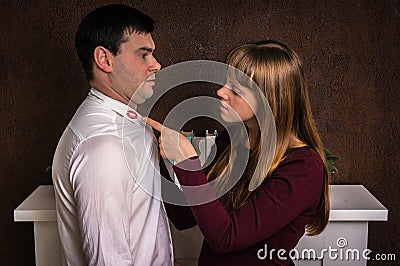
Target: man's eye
x=144, y=56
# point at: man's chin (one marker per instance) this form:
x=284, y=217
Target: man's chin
x=140, y=98
x=147, y=95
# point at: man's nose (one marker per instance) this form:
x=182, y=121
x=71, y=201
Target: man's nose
x=155, y=66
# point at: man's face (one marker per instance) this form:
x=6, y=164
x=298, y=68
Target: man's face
x=134, y=68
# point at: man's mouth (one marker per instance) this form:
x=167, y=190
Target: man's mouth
x=151, y=79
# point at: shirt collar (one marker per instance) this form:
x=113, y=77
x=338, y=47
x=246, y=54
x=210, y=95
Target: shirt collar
x=118, y=107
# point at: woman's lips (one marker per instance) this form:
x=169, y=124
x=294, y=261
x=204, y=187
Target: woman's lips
x=223, y=107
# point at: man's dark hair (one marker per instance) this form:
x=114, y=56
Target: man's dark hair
x=107, y=26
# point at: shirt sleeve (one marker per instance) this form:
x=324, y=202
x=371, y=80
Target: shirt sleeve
x=101, y=181
x=295, y=187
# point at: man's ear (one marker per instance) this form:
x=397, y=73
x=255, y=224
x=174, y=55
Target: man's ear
x=103, y=59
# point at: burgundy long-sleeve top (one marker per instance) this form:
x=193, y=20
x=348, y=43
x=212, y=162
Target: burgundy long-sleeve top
x=273, y=219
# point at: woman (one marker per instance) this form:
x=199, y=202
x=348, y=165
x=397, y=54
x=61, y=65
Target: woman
x=257, y=224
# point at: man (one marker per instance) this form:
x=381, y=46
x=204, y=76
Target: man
x=105, y=168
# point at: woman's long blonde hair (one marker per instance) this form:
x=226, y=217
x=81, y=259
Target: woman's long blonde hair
x=278, y=72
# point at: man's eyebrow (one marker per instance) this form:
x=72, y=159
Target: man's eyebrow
x=150, y=50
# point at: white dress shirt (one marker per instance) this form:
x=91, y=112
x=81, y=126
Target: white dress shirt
x=108, y=188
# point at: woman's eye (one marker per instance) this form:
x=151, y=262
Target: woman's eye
x=234, y=90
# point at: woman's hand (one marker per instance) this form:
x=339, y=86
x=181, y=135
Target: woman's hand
x=173, y=145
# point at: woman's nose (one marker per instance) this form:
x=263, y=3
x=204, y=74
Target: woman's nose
x=223, y=93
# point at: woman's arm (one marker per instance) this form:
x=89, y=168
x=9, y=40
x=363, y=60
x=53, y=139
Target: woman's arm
x=295, y=188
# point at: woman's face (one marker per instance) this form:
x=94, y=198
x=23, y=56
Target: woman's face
x=238, y=103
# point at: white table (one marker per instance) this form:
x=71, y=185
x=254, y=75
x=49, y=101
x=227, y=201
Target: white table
x=40, y=208
x=352, y=207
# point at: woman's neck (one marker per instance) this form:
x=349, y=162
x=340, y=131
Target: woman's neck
x=295, y=142
x=253, y=131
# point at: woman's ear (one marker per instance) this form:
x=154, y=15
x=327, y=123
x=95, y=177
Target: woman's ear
x=103, y=59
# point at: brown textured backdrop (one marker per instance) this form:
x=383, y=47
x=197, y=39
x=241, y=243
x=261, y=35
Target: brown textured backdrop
x=350, y=49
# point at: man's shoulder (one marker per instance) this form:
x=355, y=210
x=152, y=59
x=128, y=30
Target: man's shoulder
x=92, y=118
x=101, y=145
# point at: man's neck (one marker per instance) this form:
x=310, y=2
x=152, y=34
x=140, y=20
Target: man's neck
x=113, y=94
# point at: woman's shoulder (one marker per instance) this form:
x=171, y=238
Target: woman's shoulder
x=305, y=152
x=302, y=160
